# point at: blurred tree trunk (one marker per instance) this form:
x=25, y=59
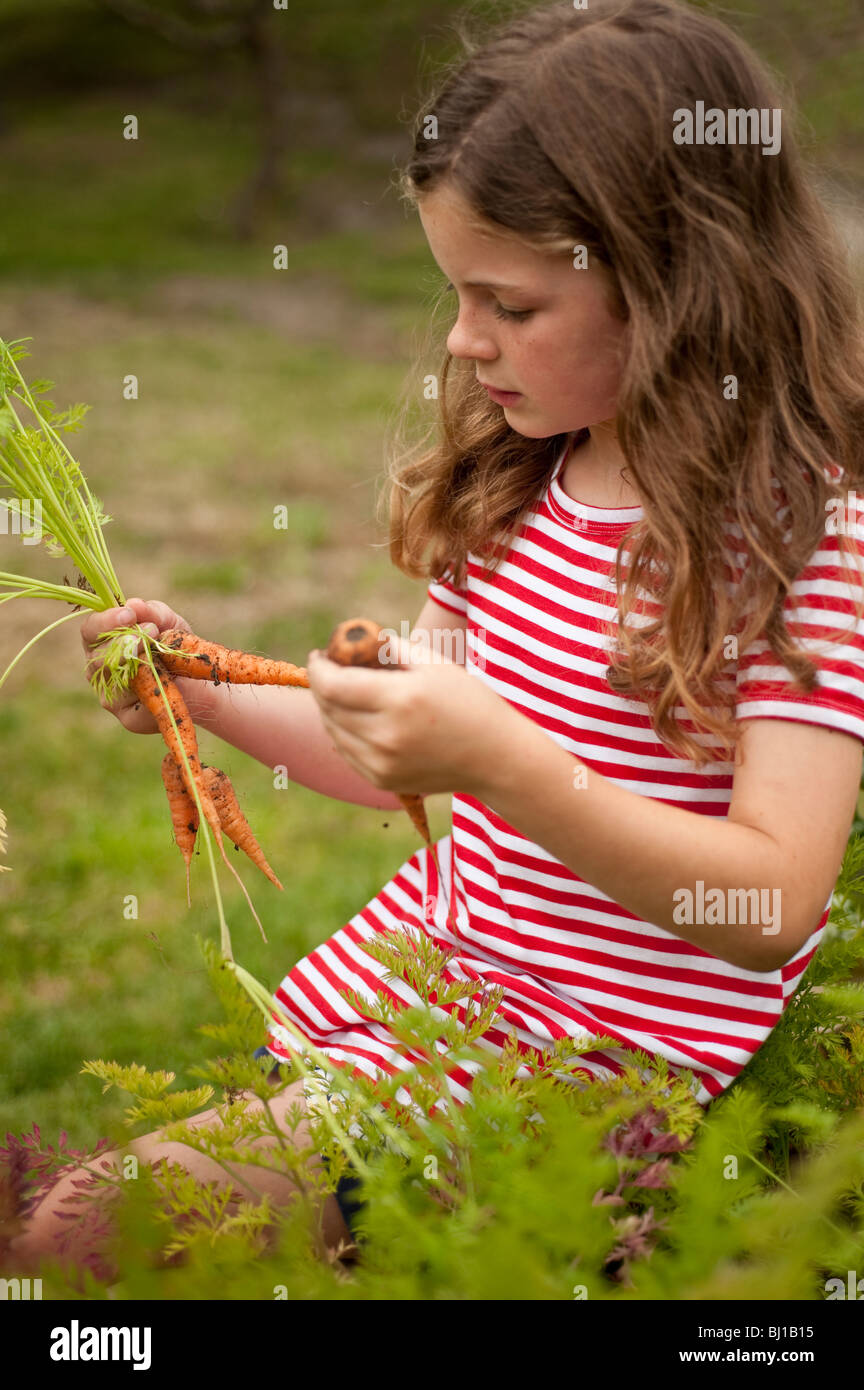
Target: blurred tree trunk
x=262, y=39
x=251, y=27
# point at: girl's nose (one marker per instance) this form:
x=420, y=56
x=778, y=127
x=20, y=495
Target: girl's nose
x=466, y=339
x=466, y=342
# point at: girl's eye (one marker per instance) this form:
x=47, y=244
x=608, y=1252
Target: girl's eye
x=500, y=312
x=518, y=314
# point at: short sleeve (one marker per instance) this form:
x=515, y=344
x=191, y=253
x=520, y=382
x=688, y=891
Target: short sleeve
x=820, y=613
x=444, y=591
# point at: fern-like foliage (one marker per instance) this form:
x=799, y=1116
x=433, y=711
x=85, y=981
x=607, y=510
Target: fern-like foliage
x=544, y=1185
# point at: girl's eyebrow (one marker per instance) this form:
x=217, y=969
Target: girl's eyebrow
x=490, y=285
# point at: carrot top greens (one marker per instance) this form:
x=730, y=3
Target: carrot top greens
x=51, y=502
x=39, y=468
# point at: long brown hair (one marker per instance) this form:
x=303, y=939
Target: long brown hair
x=557, y=129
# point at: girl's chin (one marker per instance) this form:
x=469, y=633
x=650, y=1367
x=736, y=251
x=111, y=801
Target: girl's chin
x=532, y=426
x=533, y=431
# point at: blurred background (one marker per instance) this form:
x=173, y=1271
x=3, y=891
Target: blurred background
x=153, y=257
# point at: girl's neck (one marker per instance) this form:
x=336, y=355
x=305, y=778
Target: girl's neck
x=591, y=472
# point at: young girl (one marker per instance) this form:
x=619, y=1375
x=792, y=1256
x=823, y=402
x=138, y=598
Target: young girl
x=651, y=410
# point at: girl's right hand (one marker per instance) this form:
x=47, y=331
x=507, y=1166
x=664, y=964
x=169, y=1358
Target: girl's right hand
x=154, y=618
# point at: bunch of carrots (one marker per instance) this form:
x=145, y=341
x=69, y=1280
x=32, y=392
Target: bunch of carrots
x=40, y=475
x=36, y=466
x=354, y=642
x=184, y=654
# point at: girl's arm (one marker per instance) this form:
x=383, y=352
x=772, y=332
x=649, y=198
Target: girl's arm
x=782, y=841
x=282, y=727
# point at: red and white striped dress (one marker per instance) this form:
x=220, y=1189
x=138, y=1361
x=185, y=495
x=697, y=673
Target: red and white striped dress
x=571, y=960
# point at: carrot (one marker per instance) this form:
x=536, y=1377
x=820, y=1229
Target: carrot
x=413, y=803
x=357, y=642
x=192, y=656
x=184, y=814
x=232, y=820
x=145, y=687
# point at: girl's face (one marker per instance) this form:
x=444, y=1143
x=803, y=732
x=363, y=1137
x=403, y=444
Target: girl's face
x=537, y=325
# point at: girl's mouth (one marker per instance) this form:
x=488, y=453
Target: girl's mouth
x=502, y=397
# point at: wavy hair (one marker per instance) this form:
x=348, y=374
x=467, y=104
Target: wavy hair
x=557, y=129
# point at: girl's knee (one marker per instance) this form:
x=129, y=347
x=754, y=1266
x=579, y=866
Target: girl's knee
x=48, y=1232
x=46, y=1226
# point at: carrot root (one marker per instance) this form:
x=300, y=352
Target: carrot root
x=413, y=803
x=145, y=687
x=358, y=642
x=233, y=821
x=192, y=656
x=184, y=815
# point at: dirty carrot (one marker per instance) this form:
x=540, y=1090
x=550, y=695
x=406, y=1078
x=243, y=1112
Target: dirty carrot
x=192, y=656
x=357, y=642
x=145, y=687
x=232, y=820
x=184, y=814
x=413, y=803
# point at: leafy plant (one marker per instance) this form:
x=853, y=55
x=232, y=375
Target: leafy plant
x=542, y=1186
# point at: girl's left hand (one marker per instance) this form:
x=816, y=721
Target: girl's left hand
x=425, y=727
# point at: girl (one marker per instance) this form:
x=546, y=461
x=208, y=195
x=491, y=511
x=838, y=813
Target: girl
x=651, y=413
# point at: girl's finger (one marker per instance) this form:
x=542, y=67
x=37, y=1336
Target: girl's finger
x=96, y=624
x=350, y=723
x=348, y=687
x=164, y=616
x=155, y=611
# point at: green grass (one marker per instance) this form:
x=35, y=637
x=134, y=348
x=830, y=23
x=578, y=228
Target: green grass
x=189, y=168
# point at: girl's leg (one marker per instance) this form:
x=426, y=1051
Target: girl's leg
x=39, y=1238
